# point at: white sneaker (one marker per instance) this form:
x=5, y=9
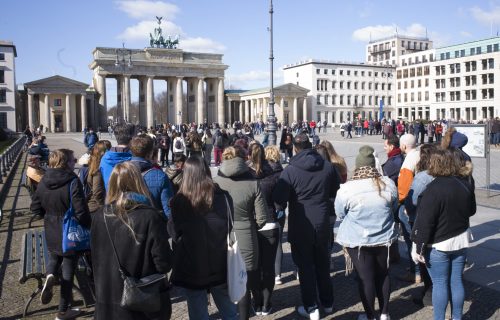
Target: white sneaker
x=364, y=317
x=277, y=280
x=312, y=315
x=385, y=317
x=47, y=294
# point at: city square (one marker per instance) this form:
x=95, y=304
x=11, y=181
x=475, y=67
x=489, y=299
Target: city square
x=161, y=73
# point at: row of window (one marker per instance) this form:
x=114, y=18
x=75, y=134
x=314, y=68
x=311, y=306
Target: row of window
x=354, y=72
x=412, y=96
x=350, y=100
x=469, y=66
x=469, y=95
x=417, y=60
x=472, y=51
x=322, y=85
x=409, y=45
x=413, y=72
x=487, y=78
x=412, y=83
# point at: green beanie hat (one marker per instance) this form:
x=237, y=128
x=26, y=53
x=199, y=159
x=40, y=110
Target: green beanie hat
x=365, y=158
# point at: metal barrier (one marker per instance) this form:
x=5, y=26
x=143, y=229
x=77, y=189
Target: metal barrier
x=9, y=156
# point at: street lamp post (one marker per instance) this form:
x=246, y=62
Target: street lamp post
x=271, y=118
x=123, y=63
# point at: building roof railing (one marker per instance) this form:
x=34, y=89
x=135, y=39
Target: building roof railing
x=334, y=62
x=398, y=36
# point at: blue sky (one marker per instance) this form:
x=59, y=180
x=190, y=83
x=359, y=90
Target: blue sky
x=58, y=36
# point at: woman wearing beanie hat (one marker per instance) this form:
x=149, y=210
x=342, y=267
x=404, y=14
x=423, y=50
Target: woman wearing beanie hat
x=365, y=204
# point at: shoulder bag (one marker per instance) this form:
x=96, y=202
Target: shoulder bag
x=236, y=269
x=75, y=236
x=142, y=294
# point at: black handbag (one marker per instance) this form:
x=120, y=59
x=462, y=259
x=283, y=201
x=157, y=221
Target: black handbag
x=142, y=295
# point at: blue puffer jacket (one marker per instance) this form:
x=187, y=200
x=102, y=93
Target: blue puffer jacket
x=367, y=216
x=110, y=159
x=158, y=184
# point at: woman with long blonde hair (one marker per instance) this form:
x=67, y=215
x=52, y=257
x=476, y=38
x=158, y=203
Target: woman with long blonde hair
x=131, y=227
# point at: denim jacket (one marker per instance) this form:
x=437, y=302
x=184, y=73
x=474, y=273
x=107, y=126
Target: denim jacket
x=419, y=184
x=367, y=217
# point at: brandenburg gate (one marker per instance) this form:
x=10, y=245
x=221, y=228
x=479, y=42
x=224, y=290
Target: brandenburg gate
x=202, y=98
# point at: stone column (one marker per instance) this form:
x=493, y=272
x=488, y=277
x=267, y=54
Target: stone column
x=229, y=111
x=200, y=101
x=68, y=113
x=248, y=108
x=220, y=102
x=295, y=109
x=178, y=100
x=83, y=101
x=30, y=111
x=304, y=109
x=119, y=99
x=102, y=107
x=142, y=114
x=150, y=101
x=47, y=112
x=126, y=96
x=240, y=111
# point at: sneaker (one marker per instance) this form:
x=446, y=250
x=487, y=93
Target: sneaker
x=47, y=293
x=384, y=316
x=277, y=280
x=69, y=314
x=257, y=310
x=309, y=314
x=266, y=311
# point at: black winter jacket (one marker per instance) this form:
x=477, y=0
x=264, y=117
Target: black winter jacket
x=392, y=167
x=309, y=185
x=51, y=201
x=443, y=211
x=200, y=257
x=150, y=255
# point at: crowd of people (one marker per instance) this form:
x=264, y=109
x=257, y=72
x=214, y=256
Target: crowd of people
x=152, y=207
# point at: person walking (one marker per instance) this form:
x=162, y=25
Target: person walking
x=366, y=204
x=218, y=143
x=128, y=233
x=250, y=214
x=441, y=231
x=201, y=209
x=309, y=186
x=58, y=190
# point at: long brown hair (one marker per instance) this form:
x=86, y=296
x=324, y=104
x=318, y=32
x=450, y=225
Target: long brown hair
x=197, y=185
x=125, y=177
x=98, y=151
x=257, y=157
x=445, y=143
x=335, y=158
x=442, y=164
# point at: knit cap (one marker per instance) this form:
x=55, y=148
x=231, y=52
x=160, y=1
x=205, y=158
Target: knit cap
x=365, y=158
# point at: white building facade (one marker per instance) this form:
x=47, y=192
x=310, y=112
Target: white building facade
x=387, y=51
x=340, y=91
x=8, y=54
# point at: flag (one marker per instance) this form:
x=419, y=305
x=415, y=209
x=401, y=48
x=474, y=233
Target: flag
x=381, y=110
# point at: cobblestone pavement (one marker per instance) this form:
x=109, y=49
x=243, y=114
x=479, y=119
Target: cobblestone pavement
x=481, y=302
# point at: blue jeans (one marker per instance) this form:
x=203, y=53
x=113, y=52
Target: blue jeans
x=446, y=269
x=197, y=301
x=406, y=226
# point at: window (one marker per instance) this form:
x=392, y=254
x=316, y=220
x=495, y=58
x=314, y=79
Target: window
x=489, y=48
x=491, y=78
x=348, y=84
x=484, y=64
x=297, y=75
x=369, y=85
x=406, y=97
x=467, y=94
x=348, y=100
x=362, y=73
x=376, y=86
x=412, y=72
x=399, y=97
x=452, y=68
x=356, y=73
x=325, y=71
x=405, y=73
x=412, y=97
x=326, y=99
x=2, y=76
x=318, y=71
x=419, y=83
x=472, y=51
x=478, y=50
x=318, y=84
x=457, y=54
x=473, y=94
x=363, y=85
x=419, y=71
x=419, y=96
x=333, y=72
x=467, y=66
x=348, y=72
x=427, y=70
x=3, y=120
x=356, y=85
x=491, y=63
x=318, y=98
x=341, y=99
x=389, y=87
x=334, y=99
x=57, y=102
x=334, y=84
x=406, y=84
x=375, y=74
x=403, y=43
x=473, y=66
x=413, y=83
x=341, y=72
x=3, y=95
x=370, y=100
x=427, y=96
x=369, y=73
x=457, y=67
x=462, y=53
x=426, y=82
x=341, y=86
x=495, y=47
x=2, y=56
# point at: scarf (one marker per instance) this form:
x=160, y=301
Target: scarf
x=394, y=152
x=365, y=173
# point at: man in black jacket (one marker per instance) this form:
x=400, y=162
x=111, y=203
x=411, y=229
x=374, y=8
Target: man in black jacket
x=395, y=159
x=309, y=184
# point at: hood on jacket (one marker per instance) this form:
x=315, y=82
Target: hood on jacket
x=275, y=166
x=308, y=160
x=233, y=167
x=112, y=158
x=266, y=169
x=458, y=140
x=55, y=178
x=141, y=163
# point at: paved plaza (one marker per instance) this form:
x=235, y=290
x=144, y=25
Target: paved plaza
x=482, y=280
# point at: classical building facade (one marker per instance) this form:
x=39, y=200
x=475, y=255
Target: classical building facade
x=8, y=54
x=195, y=83
x=340, y=91
x=253, y=105
x=59, y=104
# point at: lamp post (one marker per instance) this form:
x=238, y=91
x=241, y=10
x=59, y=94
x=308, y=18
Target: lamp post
x=122, y=63
x=271, y=118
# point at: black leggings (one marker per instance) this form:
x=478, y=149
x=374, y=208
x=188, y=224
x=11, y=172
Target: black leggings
x=68, y=264
x=253, y=282
x=268, y=245
x=373, y=271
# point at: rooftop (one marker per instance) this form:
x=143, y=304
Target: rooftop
x=5, y=43
x=400, y=36
x=339, y=63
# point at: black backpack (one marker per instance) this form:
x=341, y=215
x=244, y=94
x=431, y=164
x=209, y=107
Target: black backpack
x=178, y=144
x=219, y=143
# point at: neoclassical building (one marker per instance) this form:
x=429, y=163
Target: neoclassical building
x=195, y=83
x=58, y=103
x=252, y=105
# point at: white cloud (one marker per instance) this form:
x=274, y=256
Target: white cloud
x=465, y=34
x=142, y=29
x=381, y=31
x=200, y=44
x=143, y=9
x=252, y=79
x=486, y=16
